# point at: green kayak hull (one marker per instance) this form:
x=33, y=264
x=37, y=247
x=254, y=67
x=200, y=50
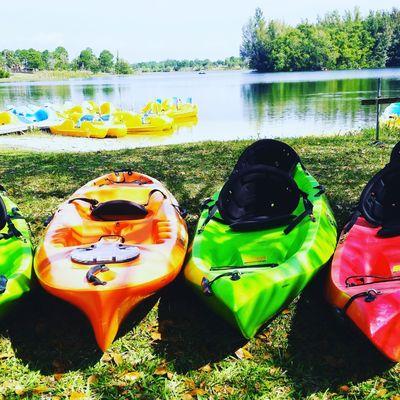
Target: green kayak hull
x=16, y=256
x=273, y=267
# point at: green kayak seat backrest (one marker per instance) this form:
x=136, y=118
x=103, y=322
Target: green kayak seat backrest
x=270, y=152
x=258, y=197
x=3, y=214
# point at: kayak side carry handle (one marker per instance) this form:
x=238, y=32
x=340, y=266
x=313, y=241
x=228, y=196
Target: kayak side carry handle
x=91, y=275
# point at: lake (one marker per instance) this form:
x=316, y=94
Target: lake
x=232, y=104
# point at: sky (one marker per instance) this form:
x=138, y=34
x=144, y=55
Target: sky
x=151, y=29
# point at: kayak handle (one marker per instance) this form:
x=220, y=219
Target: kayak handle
x=369, y=297
x=91, y=275
x=206, y=283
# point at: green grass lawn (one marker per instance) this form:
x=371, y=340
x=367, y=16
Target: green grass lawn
x=172, y=347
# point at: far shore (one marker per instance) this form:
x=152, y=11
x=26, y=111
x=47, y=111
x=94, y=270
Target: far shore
x=64, y=75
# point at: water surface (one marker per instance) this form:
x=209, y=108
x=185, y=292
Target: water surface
x=232, y=105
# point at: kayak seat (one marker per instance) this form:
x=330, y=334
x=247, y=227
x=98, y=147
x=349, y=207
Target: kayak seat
x=269, y=152
x=133, y=221
x=258, y=197
x=116, y=210
x=380, y=201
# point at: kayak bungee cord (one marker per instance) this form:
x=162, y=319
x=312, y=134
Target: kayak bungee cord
x=381, y=279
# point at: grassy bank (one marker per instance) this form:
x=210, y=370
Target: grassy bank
x=173, y=347
x=48, y=76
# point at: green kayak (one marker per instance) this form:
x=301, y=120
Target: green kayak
x=261, y=238
x=16, y=253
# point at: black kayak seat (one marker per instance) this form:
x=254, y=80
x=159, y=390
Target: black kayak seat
x=269, y=152
x=116, y=210
x=258, y=197
x=3, y=214
x=395, y=154
x=380, y=200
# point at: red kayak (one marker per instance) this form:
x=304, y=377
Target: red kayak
x=364, y=283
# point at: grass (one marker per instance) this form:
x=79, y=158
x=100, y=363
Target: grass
x=47, y=76
x=172, y=347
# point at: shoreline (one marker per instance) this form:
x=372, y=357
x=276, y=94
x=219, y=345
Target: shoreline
x=40, y=142
x=66, y=75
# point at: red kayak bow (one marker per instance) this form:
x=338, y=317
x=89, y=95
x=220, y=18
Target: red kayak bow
x=364, y=282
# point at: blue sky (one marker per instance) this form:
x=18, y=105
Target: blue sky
x=151, y=29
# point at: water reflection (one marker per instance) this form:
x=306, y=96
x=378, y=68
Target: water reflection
x=232, y=105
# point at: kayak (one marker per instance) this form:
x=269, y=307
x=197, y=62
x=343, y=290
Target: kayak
x=255, y=249
x=16, y=254
x=364, y=281
x=116, y=241
x=142, y=123
x=85, y=129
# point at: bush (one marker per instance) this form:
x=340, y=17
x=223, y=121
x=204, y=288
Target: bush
x=4, y=73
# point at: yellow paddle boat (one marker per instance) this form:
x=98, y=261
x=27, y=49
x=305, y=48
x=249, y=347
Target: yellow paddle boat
x=175, y=109
x=138, y=123
x=8, y=118
x=85, y=129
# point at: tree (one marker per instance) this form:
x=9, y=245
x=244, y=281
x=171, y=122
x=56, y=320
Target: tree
x=47, y=60
x=122, y=67
x=88, y=61
x=380, y=29
x=256, y=48
x=106, y=61
x=12, y=61
x=394, y=49
x=30, y=59
x=61, y=59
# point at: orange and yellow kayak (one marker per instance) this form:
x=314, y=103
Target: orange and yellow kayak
x=117, y=240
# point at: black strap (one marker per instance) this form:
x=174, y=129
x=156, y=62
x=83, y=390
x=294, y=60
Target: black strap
x=3, y=284
x=370, y=296
x=212, y=210
x=182, y=211
x=361, y=279
x=92, y=202
x=95, y=202
x=356, y=214
x=151, y=194
x=12, y=230
x=308, y=210
x=91, y=274
x=321, y=190
x=267, y=265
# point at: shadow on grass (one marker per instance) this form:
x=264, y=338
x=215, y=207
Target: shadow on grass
x=52, y=336
x=325, y=353
x=191, y=334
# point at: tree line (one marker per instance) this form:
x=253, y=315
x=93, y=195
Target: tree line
x=58, y=60
x=194, y=65
x=335, y=41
